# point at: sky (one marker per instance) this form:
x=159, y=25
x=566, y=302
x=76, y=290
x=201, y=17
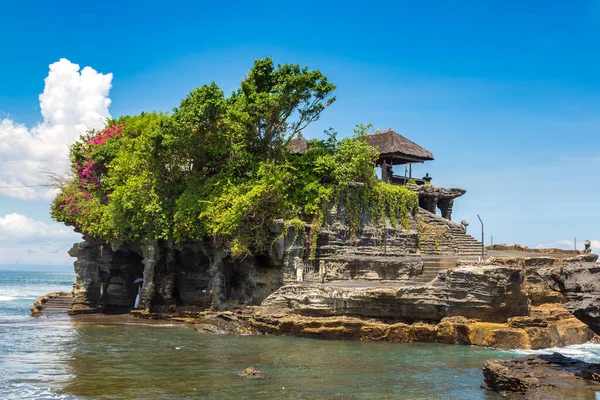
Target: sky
x=505, y=95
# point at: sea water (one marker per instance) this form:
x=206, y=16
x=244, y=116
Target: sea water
x=56, y=358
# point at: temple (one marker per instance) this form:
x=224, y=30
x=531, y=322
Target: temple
x=396, y=150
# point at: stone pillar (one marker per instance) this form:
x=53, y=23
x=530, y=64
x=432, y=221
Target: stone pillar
x=218, y=283
x=385, y=172
x=445, y=206
x=167, y=285
x=151, y=254
x=91, y=259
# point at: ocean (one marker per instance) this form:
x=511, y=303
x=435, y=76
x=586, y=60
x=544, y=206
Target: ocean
x=56, y=358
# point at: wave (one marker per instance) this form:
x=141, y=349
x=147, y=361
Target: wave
x=588, y=352
x=29, y=292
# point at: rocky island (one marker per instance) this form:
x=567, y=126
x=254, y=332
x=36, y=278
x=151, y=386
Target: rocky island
x=223, y=215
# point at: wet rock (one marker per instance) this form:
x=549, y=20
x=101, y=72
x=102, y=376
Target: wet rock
x=542, y=377
x=40, y=302
x=220, y=323
x=451, y=330
x=212, y=329
x=252, y=373
x=227, y=315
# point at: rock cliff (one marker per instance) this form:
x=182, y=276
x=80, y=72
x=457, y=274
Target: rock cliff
x=580, y=284
x=554, y=376
x=408, y=283
x=202, y=274
x=174, y=276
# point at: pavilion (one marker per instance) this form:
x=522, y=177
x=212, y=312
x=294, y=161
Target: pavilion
x=395, y=149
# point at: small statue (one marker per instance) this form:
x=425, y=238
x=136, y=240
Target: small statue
x=427, y=178
x=587, y=247
x=299, y=269
x=322, y=271
x=464, y=224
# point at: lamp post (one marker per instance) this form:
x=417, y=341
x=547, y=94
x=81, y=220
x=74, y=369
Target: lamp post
x=482, y=239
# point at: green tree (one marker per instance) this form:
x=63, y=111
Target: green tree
x=274, y=104
x=216, y=168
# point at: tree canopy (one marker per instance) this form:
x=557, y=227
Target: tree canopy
x=216, y=167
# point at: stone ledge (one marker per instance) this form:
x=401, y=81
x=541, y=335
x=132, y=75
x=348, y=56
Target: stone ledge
x=452, y=330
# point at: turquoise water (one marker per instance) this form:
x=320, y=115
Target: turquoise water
x=55, y=358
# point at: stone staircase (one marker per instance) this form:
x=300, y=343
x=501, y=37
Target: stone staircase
x=453, y=241
x=432, y=267
x=57, y=305
x=467, y=245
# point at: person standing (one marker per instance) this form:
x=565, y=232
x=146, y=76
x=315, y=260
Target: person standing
x=299, y=269
x=138, y=282
x=104, y=278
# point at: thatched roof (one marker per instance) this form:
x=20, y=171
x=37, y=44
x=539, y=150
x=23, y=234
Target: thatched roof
x=297, y=146
x=396, y=148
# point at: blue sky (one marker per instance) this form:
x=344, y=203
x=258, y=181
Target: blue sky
x=506, y=96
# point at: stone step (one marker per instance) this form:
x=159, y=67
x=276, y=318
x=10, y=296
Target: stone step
x=57, y=305
x=60, y=299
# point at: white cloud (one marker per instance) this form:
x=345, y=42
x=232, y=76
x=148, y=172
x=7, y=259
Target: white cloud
x=19, y=229
x=73, y=101
x=29, y=241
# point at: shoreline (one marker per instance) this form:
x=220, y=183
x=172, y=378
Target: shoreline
x=550, y=326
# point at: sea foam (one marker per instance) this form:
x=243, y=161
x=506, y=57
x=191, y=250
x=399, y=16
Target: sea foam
x=588, y=352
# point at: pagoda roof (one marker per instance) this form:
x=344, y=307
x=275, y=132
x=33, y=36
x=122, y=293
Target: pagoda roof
x=297, y=146
x=396, y=148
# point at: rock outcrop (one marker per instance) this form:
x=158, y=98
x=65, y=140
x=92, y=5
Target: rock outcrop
x=551, y=327
x=580, y=284
x=202, y=274
x=542, y=377
x=490, y=293
x=252, y=373
x=538, y=288
x=556, y=376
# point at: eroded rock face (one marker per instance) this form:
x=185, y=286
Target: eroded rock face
x=538, y=289
x=373, y=268
x=92, y=258
x=489, y=293
x=549, y=328
x=194, y=274
x=551, y=376
x=580, y=284
x=201, y=274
